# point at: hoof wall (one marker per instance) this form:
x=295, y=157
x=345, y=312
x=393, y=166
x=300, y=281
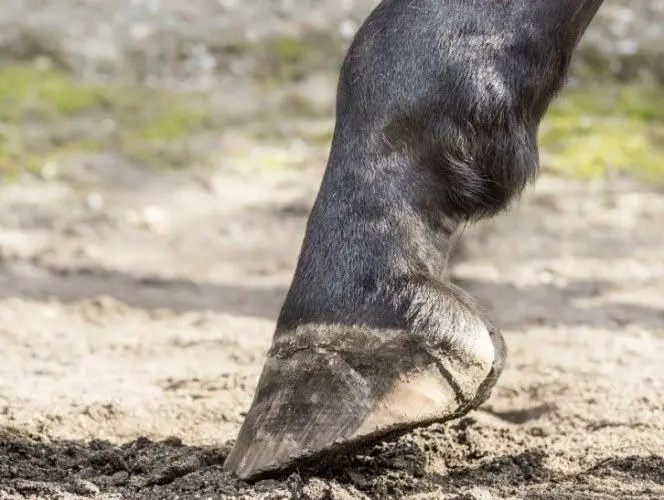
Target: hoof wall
x=324, y=392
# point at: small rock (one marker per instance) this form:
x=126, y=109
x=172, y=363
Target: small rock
x=177, y=468
x=83, y=487
x=156, y=220
x=49, y=170
x=95, y=201
x=347, y=29
x=267, y=485
x=315, y=489
x=476, y=494
x=338, y=492
x=173, y=441
x=152, y=218
x=120, y=478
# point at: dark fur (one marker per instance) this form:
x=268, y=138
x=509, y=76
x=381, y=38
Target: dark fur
x=438, y=106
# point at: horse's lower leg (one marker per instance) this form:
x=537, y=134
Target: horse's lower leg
x=438, y=107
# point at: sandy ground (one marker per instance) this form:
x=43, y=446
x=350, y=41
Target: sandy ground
x=135, y=311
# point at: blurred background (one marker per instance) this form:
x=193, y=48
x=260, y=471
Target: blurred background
x=159, y=159
x=158, y=81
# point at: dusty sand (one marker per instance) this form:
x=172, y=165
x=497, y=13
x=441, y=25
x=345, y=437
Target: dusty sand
x=135, y=311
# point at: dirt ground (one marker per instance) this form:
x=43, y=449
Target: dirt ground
x=136, y=309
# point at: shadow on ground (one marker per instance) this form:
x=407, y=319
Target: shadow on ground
x=554, y=305
x=145, y=292
x=512, y=307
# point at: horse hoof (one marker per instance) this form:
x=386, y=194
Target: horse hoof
x=326, y=391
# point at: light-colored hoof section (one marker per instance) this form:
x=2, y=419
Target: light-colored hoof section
x=330, y=390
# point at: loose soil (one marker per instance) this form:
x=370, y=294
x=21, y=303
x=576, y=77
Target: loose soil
x=136, y=309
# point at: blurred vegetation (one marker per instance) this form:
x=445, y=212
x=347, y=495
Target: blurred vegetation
x=594, y=129
x=599, y=130
x=45, y=114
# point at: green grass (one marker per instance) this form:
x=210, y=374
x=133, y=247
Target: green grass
x=599, y=130
x=46, y=114
x=46, y=94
